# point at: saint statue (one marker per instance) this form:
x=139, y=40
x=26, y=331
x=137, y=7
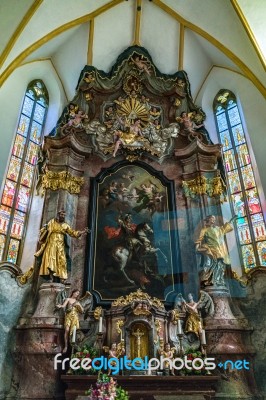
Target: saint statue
x=53, y=250
x=72, y=309
x=211, y=244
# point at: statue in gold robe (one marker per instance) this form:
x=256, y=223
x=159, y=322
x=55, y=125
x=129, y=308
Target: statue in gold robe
x=211, y=244
x=53, y=248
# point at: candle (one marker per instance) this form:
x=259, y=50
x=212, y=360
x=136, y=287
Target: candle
x=100, y=324
x=74, y=334
x=179, y=327
x=203, y=337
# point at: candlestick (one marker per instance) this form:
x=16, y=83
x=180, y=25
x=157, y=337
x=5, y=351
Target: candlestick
x=74, y=334
x=179, y=327
x=100, y=324
x=203, y=337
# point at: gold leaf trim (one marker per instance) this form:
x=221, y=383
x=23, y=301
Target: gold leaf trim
x=137, y=296
x=62, y=180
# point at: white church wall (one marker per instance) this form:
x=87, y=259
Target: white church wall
x=71, y=57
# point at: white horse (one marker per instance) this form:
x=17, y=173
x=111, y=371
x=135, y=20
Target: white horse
x=139, y=248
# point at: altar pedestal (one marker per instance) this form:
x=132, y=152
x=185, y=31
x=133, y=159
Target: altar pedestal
x=148, y=387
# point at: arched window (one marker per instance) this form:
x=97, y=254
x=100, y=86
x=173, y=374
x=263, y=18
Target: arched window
x=244, y=197
x=19, y=182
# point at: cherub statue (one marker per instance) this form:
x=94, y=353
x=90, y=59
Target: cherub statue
x=187, y=126
x=76, y=121
x=116, y=351
x=141, y=308
x=167, y=352
x=141, y=63
x=73, y=308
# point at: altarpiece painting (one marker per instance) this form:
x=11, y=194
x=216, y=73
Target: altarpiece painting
x=133, y=244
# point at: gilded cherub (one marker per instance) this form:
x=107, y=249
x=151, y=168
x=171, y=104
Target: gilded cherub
x=142, y=64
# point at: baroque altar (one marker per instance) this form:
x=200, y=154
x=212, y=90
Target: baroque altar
x=131, y=175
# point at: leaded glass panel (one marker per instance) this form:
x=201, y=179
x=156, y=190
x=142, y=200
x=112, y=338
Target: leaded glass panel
x=248, y=257
x=36, y=131
x=17, y=225
x=14, y=168
x=239, y=206
x=234, y=182
x=248, y=177
x=221, y=121
x=32, y=153
x=230, y=161
x=13, y=249
x=243, y=155
x=243, y=230
x=27, y=106
x=18, y=147
x=2, y=245
x=4, y=218
x=19, y=180
x=253, y=201
x=39, y=113
x=245, y=201
x=261, y=246
x=234, y=116
x=226, y=140
x=27, y=174
x=9, y=193
x=23, y=199
x=258, y=226
x=238, y=135
x=23, y=125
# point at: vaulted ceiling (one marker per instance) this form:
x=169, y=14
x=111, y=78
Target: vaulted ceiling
x=193, y=35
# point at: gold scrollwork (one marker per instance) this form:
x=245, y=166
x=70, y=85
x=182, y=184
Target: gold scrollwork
x=62, y=180
x=23, y=279
x=175, y=316
x=212, y=187
x=135, y=297
x=97, y=313
x=119, y=325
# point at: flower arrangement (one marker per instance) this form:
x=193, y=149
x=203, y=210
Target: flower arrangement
x=106, y=389
x=85, y=352
x=191, y=355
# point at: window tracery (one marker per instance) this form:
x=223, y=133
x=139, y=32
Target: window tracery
x=19, y=181
x=243, y=191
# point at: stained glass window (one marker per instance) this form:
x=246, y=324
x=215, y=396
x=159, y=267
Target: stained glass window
x=18, y=187
x=245, y=200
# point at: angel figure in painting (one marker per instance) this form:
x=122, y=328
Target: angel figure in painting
x=73, y=307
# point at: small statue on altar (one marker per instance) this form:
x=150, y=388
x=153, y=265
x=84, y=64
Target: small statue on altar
x=167, y=352
x=193, y=322
x=73, y=307
x=116, y=351
x=141, y=63
x=187, y=126
x=53, y=252
x=141, y=308
x=76, y=120
x=211, y=245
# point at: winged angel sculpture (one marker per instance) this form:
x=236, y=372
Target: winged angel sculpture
x=73, y=306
